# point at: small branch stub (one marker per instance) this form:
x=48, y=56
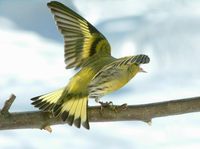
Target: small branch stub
x=149, y=122
x=7, y=104
x=48, y=128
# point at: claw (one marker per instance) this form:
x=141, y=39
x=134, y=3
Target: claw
x=123, y=106
x=108, y=104
x=111, y=106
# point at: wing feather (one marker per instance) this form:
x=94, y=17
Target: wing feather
x=81, y=39
x=113, y=76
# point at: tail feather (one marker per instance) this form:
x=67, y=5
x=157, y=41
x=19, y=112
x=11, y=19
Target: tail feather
x=57, y=110
x=47, y=102
x=71, y=109
x=74, y=111
x=77, y=122
x=77, y=113
x=84, y=120
x=64, y=115
x=83, y=111
x=70, y=120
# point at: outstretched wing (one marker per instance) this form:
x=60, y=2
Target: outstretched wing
x=82, y=40
x=115, y=75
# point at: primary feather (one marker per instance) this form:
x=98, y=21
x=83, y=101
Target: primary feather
x=82, y=40
x=100, y=73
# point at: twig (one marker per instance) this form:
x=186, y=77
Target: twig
x=7, y=104
x=48, y=128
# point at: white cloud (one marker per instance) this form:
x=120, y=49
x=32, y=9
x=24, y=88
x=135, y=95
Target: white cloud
x=19, y=51
x=6, y=23
x=28, y=60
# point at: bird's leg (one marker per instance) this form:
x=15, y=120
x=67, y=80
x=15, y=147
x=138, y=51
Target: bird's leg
x=100, y=102
x=111, y=105
x=97, y=100
x=116, y=108
x=105, y=104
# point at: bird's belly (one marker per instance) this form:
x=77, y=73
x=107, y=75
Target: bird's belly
x=108, y=86
x=115, y=85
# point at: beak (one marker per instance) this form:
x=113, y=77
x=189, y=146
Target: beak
x=142, y=70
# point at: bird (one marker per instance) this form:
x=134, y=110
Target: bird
x=98, y=74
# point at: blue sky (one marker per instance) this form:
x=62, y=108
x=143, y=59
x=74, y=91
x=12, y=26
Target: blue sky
x=32, y=63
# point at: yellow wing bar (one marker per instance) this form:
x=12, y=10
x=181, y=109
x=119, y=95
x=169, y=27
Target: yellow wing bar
x=82, y=40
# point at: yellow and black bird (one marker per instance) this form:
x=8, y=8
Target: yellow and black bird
x=100, y=73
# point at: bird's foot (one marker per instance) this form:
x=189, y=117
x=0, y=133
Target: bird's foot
x=122, y=107
x=112, y=106
x=108, y=104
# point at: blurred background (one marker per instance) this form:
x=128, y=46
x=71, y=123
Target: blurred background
x=32, y=63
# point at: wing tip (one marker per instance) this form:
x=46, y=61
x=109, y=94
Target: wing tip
x=57, y=4
x=141, y=59
x=52, y=3
x=146, y=59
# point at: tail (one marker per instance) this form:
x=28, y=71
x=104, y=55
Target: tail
x=74, y=111
x=71, y=109
x=48, y=101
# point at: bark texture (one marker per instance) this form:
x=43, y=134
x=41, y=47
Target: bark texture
x=144, y=112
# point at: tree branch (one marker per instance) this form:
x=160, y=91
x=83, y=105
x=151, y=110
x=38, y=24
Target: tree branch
x=145, y=112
